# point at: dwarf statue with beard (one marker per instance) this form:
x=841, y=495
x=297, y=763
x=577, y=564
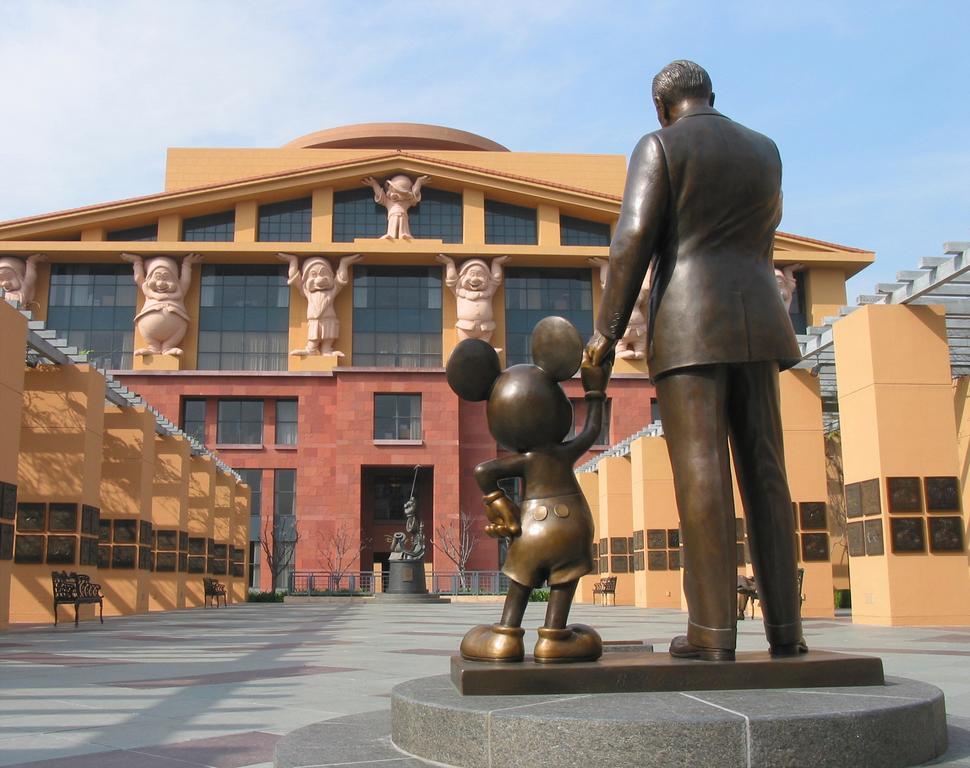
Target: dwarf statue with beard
x=320, y=286
x=163, y=319
x=18, y=277
x=474, y=285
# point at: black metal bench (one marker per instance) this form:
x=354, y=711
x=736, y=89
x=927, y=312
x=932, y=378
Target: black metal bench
x=605, y=587
x=215, y=590
x=76, y=589
x=748, y=591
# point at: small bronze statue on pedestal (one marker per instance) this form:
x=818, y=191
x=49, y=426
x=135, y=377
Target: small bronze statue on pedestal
x=551, y=536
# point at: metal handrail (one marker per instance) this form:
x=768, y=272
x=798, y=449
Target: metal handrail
x=363, y=583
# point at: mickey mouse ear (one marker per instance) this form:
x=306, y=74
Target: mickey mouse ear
x=472, y=369
x=557, y=347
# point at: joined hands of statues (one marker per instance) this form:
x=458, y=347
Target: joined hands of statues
x=599, y=353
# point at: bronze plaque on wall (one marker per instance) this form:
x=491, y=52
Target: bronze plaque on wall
x=197, y=564
x=942, y=494
x=125, y=532
x=104, y=531
x=618, y=563
x=165, y=562
x=30, y=516
x=656, y=561
x=656, y=539
x=604, y=547
x=946, y=534
x=869, y=491
x=853, y=500
x=857, y=539
x=61, y=550
x=618, y=545
x=8, y=501
x=907, y=534
x=815, y=547
x=124, y=556
x=6, y=541
x=104, y=556
x=167, y=540
x=673, y=538
x=28, y=549
x=89, y=551
x=874, y=540
x=637, y=540
x=673, y=559
x=62, y=517
x=90, y=520
x=238, y=569
x=638, y=561
x=904, y=494
x=813, y=516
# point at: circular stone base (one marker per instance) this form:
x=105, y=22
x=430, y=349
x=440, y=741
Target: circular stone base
x=902, y=723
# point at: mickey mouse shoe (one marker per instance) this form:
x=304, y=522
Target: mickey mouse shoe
x=493, y=642
x=577, y=642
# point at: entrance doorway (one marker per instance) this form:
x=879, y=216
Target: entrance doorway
x=383, y=493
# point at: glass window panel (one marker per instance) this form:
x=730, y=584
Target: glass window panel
x=397, y=417
x=286, y=222
x=437, y=216
x=564, y=292
x=240, y=422
x=397, y=314
x=509, y=224
x=241, y=320
x=214, y=227
x=355, y=214
x=93, y=306
x=193, y=418
x=575, y=231
x=286, y=422
x=147, y=233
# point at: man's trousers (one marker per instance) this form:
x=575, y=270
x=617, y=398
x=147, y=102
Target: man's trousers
x=703, y=408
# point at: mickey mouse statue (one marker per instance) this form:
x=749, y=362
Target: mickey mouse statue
x=551, y=536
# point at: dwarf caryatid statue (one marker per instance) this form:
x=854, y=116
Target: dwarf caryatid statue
x=633, y=345
x=397, y=195
x=18, y=277
x=787, y=283
x=163, y=319
x=320, y=286
x=474, y=285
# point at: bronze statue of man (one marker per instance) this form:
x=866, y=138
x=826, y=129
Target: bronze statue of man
x=702, y=201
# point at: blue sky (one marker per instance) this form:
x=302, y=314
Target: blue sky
x=868, y=101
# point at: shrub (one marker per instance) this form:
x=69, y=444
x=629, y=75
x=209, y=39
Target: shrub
x=843, y=598
x=539, y=596
x=264, y=597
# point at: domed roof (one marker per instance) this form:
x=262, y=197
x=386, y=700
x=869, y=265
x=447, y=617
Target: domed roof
x=395, y=136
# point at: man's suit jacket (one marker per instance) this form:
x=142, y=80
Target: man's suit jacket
x=702, y=199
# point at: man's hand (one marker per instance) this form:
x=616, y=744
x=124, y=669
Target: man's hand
x=599, y=350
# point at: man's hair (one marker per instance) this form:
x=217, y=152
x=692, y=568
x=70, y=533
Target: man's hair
x=681, y=79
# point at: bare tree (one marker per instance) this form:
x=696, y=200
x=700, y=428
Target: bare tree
x=338, y=548
x=457, y=540
x=835, y=484
x=278, y=542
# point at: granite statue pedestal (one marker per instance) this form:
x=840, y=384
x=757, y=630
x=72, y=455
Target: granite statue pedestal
x=757, y=711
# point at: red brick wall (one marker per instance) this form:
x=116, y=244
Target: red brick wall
x=336, y=429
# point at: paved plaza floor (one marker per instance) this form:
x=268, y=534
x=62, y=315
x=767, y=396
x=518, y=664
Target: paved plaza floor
x=218, y=687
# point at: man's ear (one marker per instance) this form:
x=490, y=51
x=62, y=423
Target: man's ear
x=662, y=116
x=710, y=102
